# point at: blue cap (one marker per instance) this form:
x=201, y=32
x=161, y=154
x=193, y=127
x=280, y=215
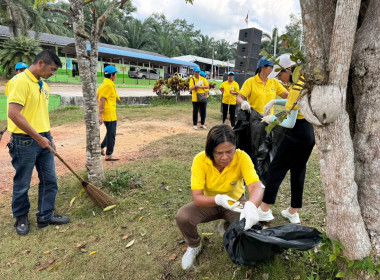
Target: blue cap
x=231, y=73
x=21, y=65
x=110, y=69
x=264, y=62
x=203, y=74
x=197, y=69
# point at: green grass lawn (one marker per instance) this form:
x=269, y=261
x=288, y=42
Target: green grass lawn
x=149, y=191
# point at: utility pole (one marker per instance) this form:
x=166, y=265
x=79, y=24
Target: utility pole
x=275, y=42
x=212, y=63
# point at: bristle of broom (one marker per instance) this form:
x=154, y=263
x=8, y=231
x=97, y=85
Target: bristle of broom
x=99, y=197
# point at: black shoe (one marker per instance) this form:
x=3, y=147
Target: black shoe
x=22, y=225
x=54, y=220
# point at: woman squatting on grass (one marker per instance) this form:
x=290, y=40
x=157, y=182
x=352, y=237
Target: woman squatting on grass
x=218, y=190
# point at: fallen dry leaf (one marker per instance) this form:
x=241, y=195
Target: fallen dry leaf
x=125, y=237
x=72, y=201
x=54, y=267
x=25, y=252
x=172, y=257
x=51, y=261
x=142, y=217
x=83, y=250
x=46, y=252
x=141, y=208
x=14, y=261
x=148, y=253
x=130, y=243
x=57, y=227
x=64, y=230
x=78, y=246
x=42, y=268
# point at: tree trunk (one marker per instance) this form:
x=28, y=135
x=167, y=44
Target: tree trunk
x=88, y=77
x=366, y=91
x=344, y=221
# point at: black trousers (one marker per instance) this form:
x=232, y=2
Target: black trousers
x=292, y=154
x=110, y=137
x=232, y=113
x=201, y=107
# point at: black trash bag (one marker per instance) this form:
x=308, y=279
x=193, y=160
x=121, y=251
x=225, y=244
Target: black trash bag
x=257, y=244
x=252, y=138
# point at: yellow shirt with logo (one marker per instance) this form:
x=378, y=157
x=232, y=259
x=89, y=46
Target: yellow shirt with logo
x=199, y=90
x=204, y=175
x=229, y=98
x=258, y=94
x=108, y=90
x=24, y=90
x=292, y=97
x=7, y=87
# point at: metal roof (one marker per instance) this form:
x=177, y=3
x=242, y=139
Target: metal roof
x=193, y=58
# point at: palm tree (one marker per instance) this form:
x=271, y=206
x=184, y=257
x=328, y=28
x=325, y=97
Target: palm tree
x=204, y=46
x=224, y=50
x=136, y=33
x=18, y=49
x=14, y=14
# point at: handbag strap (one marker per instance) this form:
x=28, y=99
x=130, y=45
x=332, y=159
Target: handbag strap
x=194, y=85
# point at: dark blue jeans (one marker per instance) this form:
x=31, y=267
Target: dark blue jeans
x=26, y=153
x=110, y=137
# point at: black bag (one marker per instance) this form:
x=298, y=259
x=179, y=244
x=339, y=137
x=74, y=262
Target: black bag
x=252, y=138
x=257, y=244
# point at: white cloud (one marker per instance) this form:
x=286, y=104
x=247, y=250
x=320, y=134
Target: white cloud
x=222, y=19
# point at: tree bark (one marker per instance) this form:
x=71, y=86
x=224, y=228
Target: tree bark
x=88, y=76
x=344, y=221
x=366, y=91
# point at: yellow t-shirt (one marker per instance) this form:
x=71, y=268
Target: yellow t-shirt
x=258, y=94
x=292, y=97
x=108, y=90
x=229, y=98
x=25, y=91
x=204, y=176
x=199, y=90
x=7, y=87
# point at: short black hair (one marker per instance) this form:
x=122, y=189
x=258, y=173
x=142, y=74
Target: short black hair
x=109, y=75
x=218, y=135
x=48, y=57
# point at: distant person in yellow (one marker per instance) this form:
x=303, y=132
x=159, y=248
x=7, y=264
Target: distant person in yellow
x=28, y=121
x=217, y=176
x=107, y=111
x=260, y=89
x=19, y=68
x=198, y=84
x=230, y=90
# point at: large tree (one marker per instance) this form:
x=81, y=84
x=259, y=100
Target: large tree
x=349, y=158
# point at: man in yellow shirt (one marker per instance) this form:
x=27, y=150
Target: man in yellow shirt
x=216, y=181
x=230, y=90
x=107, y=111
x=28, y=121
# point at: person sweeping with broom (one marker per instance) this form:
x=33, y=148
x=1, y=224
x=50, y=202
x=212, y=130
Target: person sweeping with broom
x=230, y=90
x=28, y=121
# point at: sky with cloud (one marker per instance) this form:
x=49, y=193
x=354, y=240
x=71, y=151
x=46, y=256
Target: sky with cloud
x=222, y=19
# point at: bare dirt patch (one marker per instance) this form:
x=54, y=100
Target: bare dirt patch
x=70, y=140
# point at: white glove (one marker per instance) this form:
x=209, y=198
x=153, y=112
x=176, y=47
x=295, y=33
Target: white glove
x=268, y=119
x=222, y=200
x=268, y=107
x=250, y=214
x=245, y=106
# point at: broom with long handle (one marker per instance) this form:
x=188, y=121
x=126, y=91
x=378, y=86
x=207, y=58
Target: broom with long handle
x=99, y=197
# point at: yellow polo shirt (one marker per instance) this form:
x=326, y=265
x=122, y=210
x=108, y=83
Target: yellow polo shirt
x=229, y=98
x=108, y=90
x=199, y=90
x=292, y=97
x=258, y=94
x=7, y=87
x=25, y=91
x=204, y=176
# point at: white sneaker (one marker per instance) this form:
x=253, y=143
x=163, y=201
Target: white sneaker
x=189, y=257
x=293, y=218
x=265, y=216
x=203, y=126
x=195, y=127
